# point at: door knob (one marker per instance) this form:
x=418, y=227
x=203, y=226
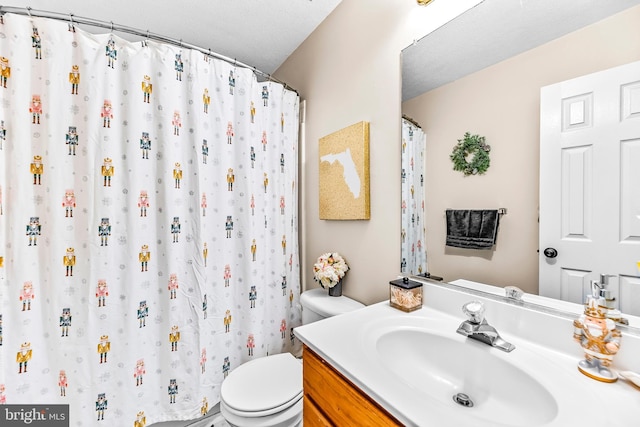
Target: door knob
x=550, y=253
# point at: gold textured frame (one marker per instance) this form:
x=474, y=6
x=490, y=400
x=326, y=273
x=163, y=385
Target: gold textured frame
x=344, y=173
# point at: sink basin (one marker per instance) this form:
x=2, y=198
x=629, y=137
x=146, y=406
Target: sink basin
x=465, y=375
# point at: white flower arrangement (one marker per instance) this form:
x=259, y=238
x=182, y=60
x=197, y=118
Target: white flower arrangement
x=329, y=269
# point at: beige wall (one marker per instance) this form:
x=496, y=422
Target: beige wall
x=348, y=70
x=502, y=104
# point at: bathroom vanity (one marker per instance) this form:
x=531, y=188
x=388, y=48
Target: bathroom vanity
x=382, y=366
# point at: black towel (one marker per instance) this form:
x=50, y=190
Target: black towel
x=472, y=229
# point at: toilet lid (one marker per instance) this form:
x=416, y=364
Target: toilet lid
x=264, y=384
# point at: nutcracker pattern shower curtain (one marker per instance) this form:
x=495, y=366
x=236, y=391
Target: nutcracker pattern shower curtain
x=414, y=255
x=148, y=223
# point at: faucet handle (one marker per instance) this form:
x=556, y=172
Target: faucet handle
x=474, y=310
x=513, y=292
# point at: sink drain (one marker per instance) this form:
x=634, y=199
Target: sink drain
x=463, y=399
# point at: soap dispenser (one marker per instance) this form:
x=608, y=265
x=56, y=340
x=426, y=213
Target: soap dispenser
x=609, y=300
x=598, y=336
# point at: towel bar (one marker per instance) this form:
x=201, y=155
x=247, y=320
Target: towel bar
x=501, y=211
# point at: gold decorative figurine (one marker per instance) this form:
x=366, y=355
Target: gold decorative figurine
x=205, y=407
x=69, y=261
x=177, y=175
x=107, y=171
x=37, y=169
x=598, y=337
x=104, y=347
x=74, y=79
x=23, y=357
x=141, y=420
x=144, y=257
x=147, y=88
x=174, y=337
x=5, y=71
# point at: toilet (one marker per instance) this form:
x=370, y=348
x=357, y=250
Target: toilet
x=267, y=392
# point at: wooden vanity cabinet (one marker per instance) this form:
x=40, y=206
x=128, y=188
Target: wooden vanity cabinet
x=332, y=400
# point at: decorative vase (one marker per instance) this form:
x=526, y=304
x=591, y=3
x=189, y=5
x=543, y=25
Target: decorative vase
x=598, y=336
x=336, y=291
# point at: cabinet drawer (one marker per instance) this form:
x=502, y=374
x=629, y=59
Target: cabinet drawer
x=313, y=417
x=342, y=403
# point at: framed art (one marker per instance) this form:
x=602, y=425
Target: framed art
x=344, y=173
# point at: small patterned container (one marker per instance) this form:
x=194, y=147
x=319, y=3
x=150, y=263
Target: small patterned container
x=405, y=294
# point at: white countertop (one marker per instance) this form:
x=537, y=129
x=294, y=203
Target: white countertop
x=348, y=343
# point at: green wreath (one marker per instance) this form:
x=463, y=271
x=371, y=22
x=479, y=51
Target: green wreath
x=471, y=145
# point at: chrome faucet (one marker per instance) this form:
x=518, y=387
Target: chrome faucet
x=476, y=327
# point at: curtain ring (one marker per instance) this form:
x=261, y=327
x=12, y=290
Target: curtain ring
x=29, y=11
x=111, y=26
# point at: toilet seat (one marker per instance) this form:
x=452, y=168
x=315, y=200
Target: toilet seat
x=263, y=386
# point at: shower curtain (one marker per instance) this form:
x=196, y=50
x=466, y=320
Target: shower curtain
x=148, y=223
x=414, y=255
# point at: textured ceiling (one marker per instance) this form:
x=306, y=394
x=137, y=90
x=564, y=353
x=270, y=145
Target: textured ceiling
x=491, y=32
x=259, y=33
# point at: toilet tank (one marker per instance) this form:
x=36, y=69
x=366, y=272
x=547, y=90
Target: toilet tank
x=317, y=305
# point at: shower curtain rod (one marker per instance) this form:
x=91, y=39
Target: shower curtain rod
x=73, y=19
x=410, y=120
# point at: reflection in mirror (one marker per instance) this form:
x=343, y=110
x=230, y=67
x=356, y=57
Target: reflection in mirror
x=559, y=308
x=497, y=30
x=414, y=258
x=489, y=84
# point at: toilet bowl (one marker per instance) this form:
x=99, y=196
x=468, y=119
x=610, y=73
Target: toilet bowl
x=264, y=392
x=267, y=391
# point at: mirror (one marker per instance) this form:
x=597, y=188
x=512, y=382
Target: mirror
x=493, y=56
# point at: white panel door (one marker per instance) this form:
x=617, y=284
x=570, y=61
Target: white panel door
x=590, y=186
